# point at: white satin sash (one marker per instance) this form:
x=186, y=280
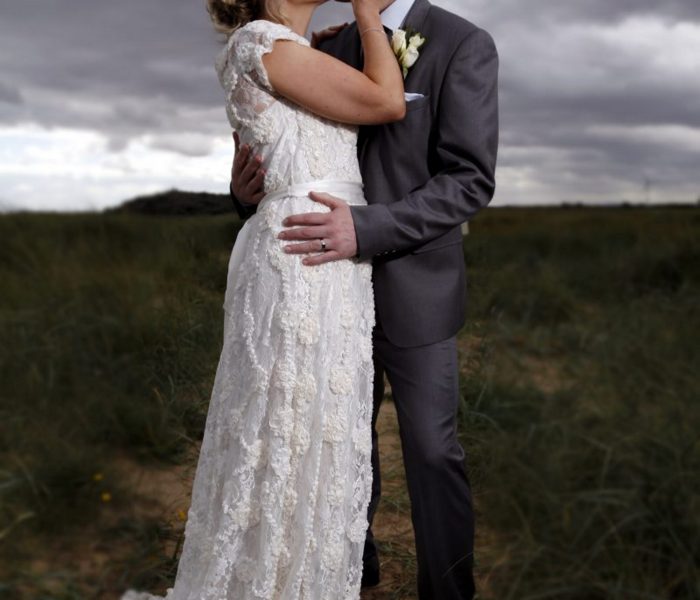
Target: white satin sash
x=347, y=190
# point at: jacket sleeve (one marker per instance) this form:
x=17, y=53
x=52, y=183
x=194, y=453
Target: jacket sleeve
x=465, y=159
x=243, y=209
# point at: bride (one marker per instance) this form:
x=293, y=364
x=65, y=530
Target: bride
x=283, y=480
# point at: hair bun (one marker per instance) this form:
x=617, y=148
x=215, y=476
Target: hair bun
x=228, y=15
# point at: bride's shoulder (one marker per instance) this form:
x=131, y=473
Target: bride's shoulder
x=263, y=31
x=245, y=46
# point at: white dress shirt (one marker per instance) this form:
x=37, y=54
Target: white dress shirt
x=395, y=14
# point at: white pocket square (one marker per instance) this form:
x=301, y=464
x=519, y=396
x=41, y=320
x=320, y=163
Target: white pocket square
x=410, y=96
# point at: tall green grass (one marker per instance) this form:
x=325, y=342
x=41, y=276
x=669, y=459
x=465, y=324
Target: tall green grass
x=581, y=415
x=109, y=337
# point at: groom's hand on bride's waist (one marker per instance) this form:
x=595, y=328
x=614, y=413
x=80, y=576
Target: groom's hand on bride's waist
x=336, y=228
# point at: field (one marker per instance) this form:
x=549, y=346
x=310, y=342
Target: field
x=580, y=411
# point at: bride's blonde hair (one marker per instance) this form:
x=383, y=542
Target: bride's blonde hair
x=229, y=15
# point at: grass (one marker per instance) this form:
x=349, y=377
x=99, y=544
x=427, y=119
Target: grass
x=109, y=337
x=579, y=416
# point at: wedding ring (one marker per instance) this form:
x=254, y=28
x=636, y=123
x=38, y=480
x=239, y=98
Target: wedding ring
x=323, y=244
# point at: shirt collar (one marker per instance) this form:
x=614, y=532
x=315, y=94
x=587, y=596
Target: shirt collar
x=395, y=14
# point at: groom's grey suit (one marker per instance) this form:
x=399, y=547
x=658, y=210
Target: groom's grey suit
x=427, y=174
x=424, y=176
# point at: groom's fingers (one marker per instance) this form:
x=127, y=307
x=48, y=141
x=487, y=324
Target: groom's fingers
x=304, y=247
x=330, y=32
x=312, y=218
x=319, y=259
x=255, y=184
x=240, y=159
x=250, y=169
x=327, y=199
x=258, y=197
x=301, y=234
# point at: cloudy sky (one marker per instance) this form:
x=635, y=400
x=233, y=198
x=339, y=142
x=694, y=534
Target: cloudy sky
x=102, y=101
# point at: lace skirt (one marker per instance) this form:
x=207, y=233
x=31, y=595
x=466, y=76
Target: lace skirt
x=283, y=480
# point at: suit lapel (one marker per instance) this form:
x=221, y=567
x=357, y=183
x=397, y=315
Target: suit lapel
x=417, y=15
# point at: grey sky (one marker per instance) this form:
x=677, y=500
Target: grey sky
x=100, y=101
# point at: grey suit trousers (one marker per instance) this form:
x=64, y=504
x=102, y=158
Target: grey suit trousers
x=425, y=388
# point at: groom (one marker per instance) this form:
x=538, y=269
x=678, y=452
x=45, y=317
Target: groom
x=424, y=176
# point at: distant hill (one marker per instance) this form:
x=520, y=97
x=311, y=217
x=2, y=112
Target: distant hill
x=176, y=202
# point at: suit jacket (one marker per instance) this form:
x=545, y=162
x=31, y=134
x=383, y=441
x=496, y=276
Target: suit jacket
x=426, y=175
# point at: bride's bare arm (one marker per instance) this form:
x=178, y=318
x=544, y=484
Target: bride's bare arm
x=328, y=87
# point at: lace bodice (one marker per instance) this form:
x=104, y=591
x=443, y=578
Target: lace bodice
x=297, y=146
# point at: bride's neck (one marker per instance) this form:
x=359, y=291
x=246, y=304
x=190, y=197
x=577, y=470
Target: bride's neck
x=297, y=16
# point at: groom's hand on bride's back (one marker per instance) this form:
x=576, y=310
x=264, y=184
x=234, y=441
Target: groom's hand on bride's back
x=318, y=37
x=247, y=175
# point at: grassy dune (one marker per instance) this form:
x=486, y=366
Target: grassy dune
x=580, y=410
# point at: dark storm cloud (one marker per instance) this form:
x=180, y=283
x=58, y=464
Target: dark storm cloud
x=606, y=11
x=123, y=68
x=595, y=95
x=9, y=95
x=598, y=95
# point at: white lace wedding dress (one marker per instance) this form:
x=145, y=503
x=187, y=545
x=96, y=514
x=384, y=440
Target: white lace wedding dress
x=282, y=486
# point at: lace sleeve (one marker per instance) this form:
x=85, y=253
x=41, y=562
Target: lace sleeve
x=253, y=41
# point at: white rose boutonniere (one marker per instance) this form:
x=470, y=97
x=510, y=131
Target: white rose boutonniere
x=406, y=44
